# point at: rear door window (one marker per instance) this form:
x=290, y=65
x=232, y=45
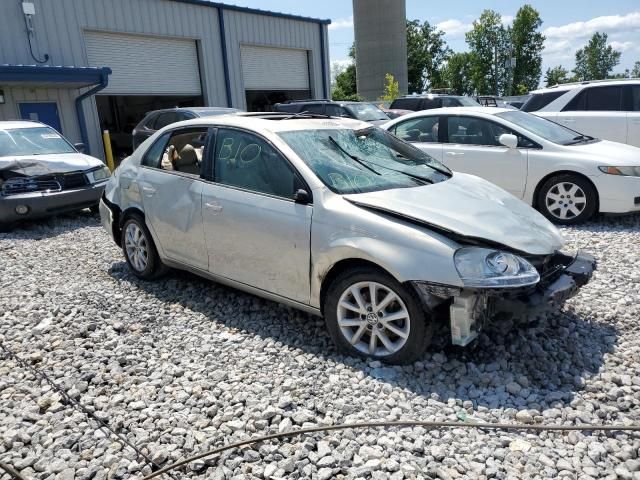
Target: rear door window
x=424, y=129
x=597, y=99
x=635, y=98
x=166, y=118
x=541, y=100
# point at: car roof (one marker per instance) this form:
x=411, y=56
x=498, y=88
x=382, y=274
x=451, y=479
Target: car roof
x=13, y=124
x=262, y=124
x=192, y=109
x=574, y=85
x=431, y=95
x=456, y=111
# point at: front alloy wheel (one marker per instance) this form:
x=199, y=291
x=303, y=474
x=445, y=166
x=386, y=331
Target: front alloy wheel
x=370, y=314
x=374, y=319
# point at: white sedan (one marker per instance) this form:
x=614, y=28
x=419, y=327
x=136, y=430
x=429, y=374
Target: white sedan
x=567, y=176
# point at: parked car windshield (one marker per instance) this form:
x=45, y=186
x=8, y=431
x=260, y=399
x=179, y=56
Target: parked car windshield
x=365, y=160
x=544, y=128
x=366, y=112
x=32, y=141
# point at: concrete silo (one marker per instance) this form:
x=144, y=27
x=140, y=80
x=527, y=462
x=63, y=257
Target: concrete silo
x=381, y=45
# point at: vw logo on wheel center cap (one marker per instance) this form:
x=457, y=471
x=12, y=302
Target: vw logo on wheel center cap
x=372, y=318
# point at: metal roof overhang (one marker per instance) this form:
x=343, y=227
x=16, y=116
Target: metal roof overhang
x=52, y=76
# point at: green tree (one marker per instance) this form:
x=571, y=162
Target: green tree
x=391, y=88
x=527, y=43
x=488, y=41
x=635, y=72
x=427, y=52
x=556, y=76
x=596, y=59
x=345, y=86
x=457, y=73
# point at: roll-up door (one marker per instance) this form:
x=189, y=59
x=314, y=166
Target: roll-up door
x=145, y=65
x=268, y=68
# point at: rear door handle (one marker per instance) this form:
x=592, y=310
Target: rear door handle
x=454, y=154
x=568, y=120
x=215, y=207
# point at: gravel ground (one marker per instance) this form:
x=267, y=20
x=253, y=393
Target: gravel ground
x=182, y=365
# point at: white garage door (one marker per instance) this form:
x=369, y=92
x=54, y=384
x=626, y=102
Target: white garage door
x=145, y=65
x=266, y=68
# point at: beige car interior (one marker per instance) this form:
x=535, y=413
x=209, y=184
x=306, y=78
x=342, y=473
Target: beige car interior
x=181, y=156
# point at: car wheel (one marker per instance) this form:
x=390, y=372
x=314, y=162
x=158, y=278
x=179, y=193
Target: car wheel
x=370, y=314
x=139, y=249
x=567, y=199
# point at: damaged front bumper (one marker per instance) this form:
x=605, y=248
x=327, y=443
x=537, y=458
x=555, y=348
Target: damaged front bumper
x=561, y=277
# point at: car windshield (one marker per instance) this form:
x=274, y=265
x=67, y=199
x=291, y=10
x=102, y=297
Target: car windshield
x=544, y=128
x=365, y=160
x=366, y=112
x=467, y=102
x=32, y=141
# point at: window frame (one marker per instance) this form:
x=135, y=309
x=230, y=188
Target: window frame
x=209, y=174
x=444, y=128
x=168, y=134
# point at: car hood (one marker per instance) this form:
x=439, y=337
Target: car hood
x=470, y=207
x=609, y=153
x=33, y=165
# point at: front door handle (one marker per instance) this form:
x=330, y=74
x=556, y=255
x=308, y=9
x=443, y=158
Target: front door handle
x=454, y=154
x=568, y=120
x=148, y=191
x=215, y=207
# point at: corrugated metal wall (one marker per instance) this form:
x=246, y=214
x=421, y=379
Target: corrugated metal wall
x=60, y=26
x=63, y=97
x=249, y=29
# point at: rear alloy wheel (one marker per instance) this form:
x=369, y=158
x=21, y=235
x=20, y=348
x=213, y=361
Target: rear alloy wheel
x=370, y=314
x=567, y=199
x=139, y=249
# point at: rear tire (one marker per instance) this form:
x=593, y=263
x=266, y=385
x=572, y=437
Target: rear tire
x=392, y=328
x=139, y=250
x=567, y=199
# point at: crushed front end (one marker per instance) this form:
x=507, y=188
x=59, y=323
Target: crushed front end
x=558, y=277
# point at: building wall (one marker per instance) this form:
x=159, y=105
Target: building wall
x=381, y=45
x=64, y=98
x=60, y=24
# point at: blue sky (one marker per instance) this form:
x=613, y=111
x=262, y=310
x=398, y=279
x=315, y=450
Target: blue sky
x=568, y=24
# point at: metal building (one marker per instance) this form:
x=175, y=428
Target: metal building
x=87, y=65
x=381, y=45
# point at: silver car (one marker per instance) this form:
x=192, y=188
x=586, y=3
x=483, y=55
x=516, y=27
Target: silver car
x=340, y=219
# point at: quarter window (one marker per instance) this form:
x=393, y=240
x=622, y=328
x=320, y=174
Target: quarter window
x=424, y=129
x=247, y=161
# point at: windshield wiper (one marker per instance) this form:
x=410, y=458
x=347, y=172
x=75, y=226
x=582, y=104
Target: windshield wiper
x=579, y=139
x=352, y=157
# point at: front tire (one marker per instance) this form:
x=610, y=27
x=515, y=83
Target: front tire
x=370, y=314
x=567, y=199
x=139, y=250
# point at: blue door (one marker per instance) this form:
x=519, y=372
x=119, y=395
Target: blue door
x=45, y=112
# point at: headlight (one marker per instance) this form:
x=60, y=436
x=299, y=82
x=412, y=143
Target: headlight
x=485, y=268
x=101, y=174
x=623, y=171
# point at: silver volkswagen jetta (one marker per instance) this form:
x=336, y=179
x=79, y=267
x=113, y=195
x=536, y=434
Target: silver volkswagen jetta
x=340, y=219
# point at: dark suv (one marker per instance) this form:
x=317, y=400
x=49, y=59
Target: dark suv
x=432, y=100
x=157, y=119
x=366, y=112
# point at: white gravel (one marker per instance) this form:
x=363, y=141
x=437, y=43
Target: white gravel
x=182, y=365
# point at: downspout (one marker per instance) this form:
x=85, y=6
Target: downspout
x=225, y=60
x=324, y=62
x=104, y=81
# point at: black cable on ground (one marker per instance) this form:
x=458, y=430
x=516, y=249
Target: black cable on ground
x=12, y=471
x=70, y=401
x=399, y=423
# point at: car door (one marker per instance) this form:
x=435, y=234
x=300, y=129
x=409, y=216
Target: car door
x=472, y=146
x=422, y=132
x=597, y=111
x=633, y=116
x=171, y=190
x=256, y=233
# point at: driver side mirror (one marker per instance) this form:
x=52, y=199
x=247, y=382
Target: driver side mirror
x=81, y=147
x=508, y=140
x=302, y=197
